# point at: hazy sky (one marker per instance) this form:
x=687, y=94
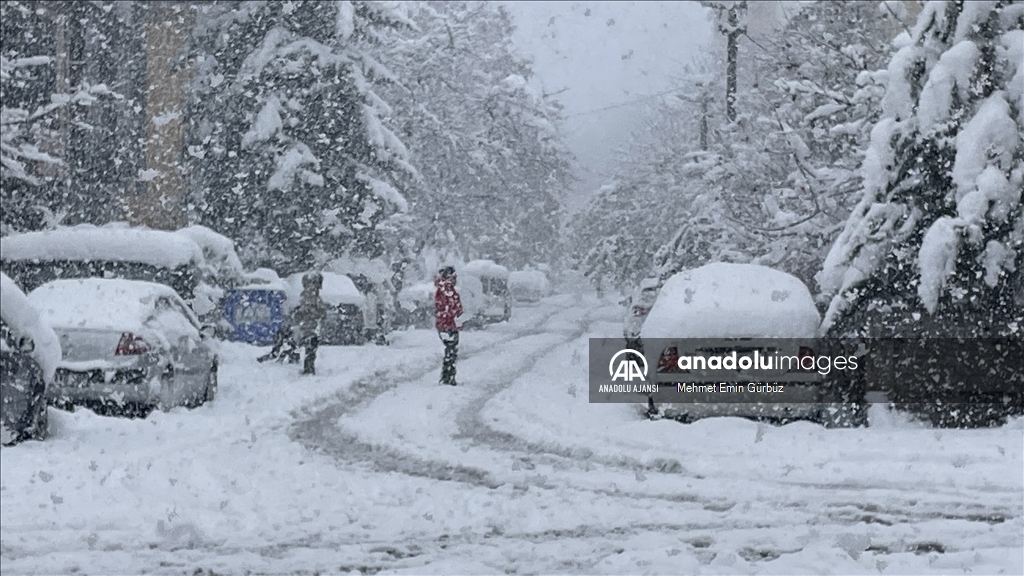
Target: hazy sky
x=603, y=54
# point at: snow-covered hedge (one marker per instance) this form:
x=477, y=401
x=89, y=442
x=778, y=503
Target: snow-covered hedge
x=24, y=322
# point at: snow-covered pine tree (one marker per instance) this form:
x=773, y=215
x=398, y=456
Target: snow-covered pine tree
x=935, y=246
x=62, y=157
x=288, y=149
x=486, y=143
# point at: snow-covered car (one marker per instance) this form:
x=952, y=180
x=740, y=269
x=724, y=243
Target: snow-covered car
x=528, y=285
x=484, y=285
x=724, y=306
x=127, y=345
x=111, y=251
x=344, y=322
x=638, y=305
x=29, y=353
x=375, y=279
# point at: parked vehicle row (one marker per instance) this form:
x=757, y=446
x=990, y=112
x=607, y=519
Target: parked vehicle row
x=123, y=319
x=111, y=320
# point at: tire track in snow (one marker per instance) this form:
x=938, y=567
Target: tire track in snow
x=318, y=431
x=825, y=507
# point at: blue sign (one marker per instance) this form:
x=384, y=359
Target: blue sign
x=255, y=314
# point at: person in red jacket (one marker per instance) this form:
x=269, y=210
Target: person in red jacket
x=447, y=307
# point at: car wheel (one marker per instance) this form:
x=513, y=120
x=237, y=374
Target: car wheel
x=211, y=384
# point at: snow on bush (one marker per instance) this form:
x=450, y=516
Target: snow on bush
x=24, y=321
x=218, y=250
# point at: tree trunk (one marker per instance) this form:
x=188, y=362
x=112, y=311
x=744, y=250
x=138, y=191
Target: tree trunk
x=730, y=72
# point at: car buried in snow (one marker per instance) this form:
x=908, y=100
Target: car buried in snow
x=528, y=285
x=114, y=250
x=344, y=321
x=727, y=312
x=483, y=285
x=128, y=346
x=29, y=353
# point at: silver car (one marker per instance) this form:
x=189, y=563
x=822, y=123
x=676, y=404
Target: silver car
x=128, y=346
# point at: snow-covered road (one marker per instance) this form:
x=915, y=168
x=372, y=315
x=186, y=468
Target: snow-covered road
x=371, y=466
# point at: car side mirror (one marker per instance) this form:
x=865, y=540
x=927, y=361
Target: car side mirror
x=207, y=331
x=26, y=344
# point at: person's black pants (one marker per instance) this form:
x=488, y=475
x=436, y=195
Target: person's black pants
x=451, y=352
x=312, y=343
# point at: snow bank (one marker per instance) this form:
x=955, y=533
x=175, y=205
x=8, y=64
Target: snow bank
x=98, y=303
x=107, y=243
x=724, y=300
x=24, y=321
x=482, y=268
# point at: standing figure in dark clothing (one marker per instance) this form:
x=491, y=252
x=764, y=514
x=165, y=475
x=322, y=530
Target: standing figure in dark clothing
x=447, y=307
x=309, y=318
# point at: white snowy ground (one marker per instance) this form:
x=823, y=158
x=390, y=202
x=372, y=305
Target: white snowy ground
x=371, y=466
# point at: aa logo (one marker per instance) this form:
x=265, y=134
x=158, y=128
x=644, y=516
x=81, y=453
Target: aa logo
x=627, y=369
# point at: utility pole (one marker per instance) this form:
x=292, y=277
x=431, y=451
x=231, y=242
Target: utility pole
x=732, y=31
x=704, y=122
x=731, y=24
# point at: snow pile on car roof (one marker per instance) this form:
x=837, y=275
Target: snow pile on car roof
x=24, y=321
x=264, y=279
x=528, y=284
x=724, y=300
x=481, y=268
x=98, y=303
x=339, y=289
x=106, y=243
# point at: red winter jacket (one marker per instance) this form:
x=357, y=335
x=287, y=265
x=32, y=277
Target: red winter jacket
x=447, y=305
